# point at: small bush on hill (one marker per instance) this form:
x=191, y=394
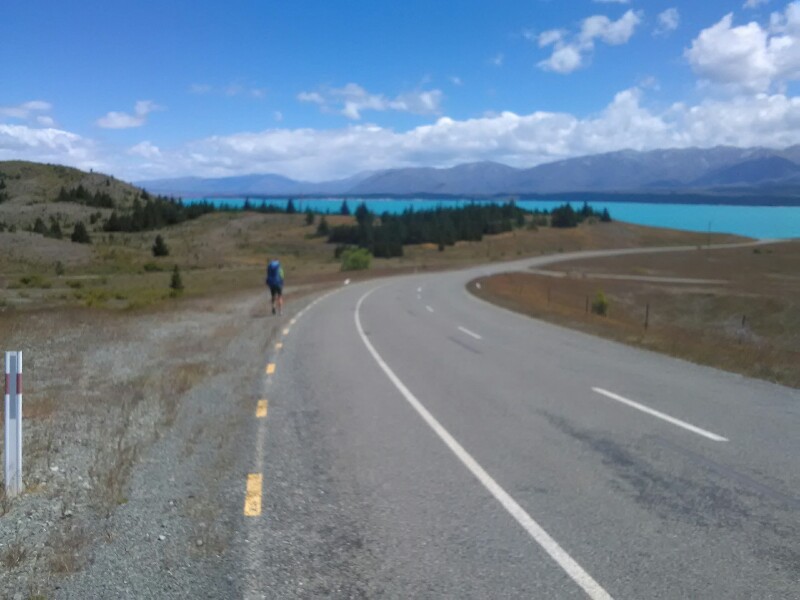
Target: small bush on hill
x=356, y=259
x=600, y=304
x=176, y=283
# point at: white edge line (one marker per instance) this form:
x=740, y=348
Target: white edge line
x=469, y=333
x=660, y=415
x=556, y=552
x=429, y=309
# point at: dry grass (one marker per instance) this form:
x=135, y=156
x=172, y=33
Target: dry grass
x=69, y=550
x=749, y=325
x=14, y=555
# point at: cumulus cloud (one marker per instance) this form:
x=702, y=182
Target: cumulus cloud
x=145, y=149
x=571, y=51
x=25, y=110
x=46, y=144
x=352, y=100
x=754, y=3
x=749, y=57
x=668, y=21
x=519, y=140
x=121, y=120
x=523, y=140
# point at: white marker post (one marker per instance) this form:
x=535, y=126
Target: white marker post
x=13, y=424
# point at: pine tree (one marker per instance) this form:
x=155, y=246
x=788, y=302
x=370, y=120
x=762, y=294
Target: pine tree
x=323, y=229
x=160, y=248
x=345, y=209
x=39, y=227
x=80, y=235
x=309, y=217
x=290, y=208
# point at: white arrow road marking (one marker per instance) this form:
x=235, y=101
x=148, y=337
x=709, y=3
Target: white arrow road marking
x=556, y=552
x=660, y=415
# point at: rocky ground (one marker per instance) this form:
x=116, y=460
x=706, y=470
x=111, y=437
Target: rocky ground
x=132, y=430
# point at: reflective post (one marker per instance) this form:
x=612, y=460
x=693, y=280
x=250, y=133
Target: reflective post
x=13, y=424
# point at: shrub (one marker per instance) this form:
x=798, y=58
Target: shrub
x=309, y=217
x=600, y=304
x=60, y=270
x=176, y=283
x=356, y=259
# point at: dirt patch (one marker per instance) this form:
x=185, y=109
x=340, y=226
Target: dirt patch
x=749, y=325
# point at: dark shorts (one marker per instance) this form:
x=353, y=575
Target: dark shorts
x=276, y=290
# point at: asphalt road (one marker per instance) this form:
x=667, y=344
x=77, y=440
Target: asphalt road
x=421, y=443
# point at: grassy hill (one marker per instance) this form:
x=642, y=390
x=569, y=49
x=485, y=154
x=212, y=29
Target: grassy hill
x=29, y=183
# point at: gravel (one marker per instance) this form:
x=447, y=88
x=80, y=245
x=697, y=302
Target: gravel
x=134, y=423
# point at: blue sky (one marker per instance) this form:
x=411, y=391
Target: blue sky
x=324, y=89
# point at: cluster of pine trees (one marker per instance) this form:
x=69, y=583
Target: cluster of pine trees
x=441, y=226
x=3, y=191
x=566, y=216
x=83, y=196
x=54, y=231
x=148, y=212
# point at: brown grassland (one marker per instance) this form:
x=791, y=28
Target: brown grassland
x=738, y=309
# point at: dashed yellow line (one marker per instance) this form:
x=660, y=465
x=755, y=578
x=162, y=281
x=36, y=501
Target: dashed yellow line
x=286, y=331
x=279, y=345
x=261, y=409
x=270, y=368
x=252, y=499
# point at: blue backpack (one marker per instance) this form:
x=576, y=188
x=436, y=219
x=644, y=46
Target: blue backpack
x=274, y=273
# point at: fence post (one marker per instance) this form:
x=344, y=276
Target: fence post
x=13, y=424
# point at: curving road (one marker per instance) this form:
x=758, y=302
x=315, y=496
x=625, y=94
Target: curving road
x=422, y=443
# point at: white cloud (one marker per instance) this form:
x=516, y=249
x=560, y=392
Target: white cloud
x=754, y=3
x=120, y=120
x=611, y=1
x=352, y=99
x=523, y=140
x=230, y=90
x=519, y=140
x=498, y=59
x=278, y=116
x=200, y=88
x=570, y=54
x=668, y=21
x=21, y=142
x=145, y=149
x=455, y=80
x=749, y=57
x=25, y=110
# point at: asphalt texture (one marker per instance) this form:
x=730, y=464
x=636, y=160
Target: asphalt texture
x=362, y=498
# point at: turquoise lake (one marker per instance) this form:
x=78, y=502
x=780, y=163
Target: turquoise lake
x=763, y=222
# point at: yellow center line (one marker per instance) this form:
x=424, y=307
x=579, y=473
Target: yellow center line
x=252, y=499
x=279, y=345
x=286, y=331
x=261, y=409
x=270, y=368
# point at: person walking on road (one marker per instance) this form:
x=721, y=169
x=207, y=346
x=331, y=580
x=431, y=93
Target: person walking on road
x=275, y=284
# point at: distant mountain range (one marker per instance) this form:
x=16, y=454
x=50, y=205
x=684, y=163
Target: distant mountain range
x=715, y=171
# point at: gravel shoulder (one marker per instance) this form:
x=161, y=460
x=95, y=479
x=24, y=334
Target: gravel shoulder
x=133, y=426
